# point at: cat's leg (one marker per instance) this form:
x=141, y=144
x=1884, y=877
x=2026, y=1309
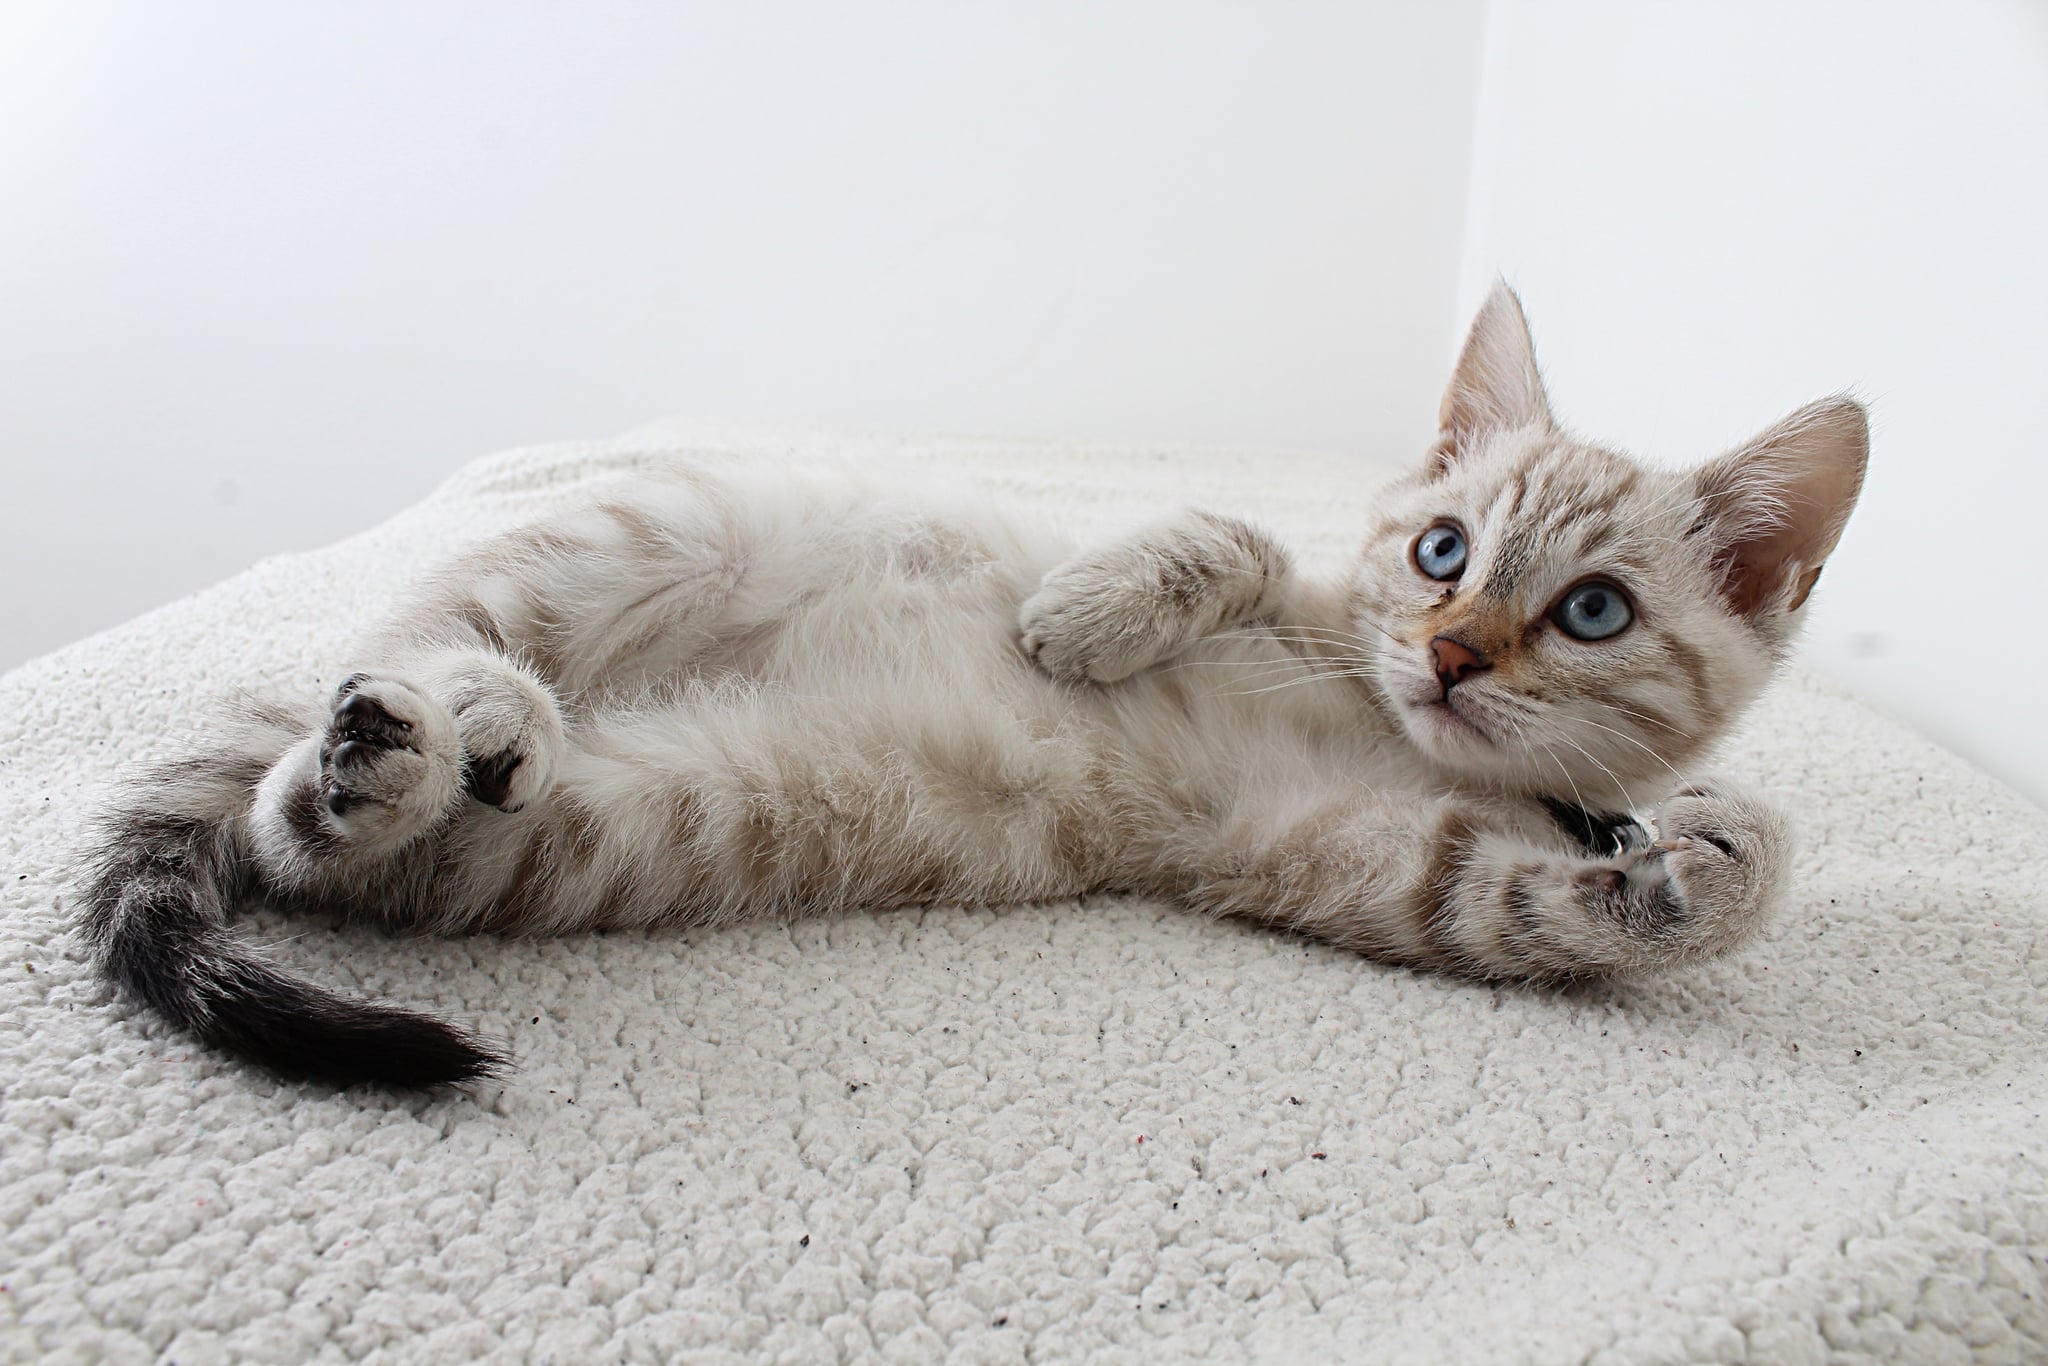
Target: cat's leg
x=1496, y=891
x=1106, y=615
x=381, y=800
x=457, y=699
x=609, y=596
x=1719, y=865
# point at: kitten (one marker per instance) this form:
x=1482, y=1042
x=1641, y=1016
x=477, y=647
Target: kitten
x=705, y=698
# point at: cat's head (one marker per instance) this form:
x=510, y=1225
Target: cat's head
x=1555, y=616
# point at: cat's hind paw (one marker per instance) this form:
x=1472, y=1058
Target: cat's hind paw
x=390, y=761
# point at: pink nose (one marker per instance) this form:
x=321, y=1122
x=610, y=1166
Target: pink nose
x=1454, y=660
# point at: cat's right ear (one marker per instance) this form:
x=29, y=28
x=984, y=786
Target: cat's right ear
x=1495, y=386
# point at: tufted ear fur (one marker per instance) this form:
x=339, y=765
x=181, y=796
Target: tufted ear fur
x=1495, y=386
x=1775, y=507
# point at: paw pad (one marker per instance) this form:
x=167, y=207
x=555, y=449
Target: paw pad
x=489, y=779
x=362, y=719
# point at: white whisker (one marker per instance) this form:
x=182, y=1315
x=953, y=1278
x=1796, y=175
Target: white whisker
x=1619, y=785
x=1647, y=719
x=1676, y=775
x=1317, y=677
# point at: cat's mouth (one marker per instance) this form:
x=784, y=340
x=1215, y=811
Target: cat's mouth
x=1442, y=721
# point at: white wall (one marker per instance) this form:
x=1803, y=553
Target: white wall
x=1716, y=213
x=270, y=271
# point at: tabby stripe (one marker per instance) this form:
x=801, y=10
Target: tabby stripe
x=1694, y=665
x=583, y=827
x=304, y=815
x=1524, y=939
x=1436, y=907
x=646, y=535
x=478, y=618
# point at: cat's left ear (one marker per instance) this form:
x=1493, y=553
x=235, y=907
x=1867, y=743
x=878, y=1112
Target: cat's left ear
x=1776, y=506
x=1495, y=386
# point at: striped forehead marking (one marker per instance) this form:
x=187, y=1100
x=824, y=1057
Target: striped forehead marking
x=1530, y=514
x=1513, y=548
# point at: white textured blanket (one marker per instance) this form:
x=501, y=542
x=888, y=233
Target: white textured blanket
x=1101, y=1129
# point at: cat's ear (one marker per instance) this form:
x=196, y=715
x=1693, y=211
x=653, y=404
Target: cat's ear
x=1495, y=386
x=1774, y=508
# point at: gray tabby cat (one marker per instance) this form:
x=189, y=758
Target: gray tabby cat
x=703, y=700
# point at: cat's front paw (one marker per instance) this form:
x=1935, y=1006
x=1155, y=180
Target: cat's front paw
x=1085, y=626
x=1728, y=858
x=389, y=758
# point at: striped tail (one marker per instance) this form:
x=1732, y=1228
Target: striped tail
x=155, y=915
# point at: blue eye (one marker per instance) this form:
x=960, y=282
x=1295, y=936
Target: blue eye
x=1593, y=611
x=1441, y=552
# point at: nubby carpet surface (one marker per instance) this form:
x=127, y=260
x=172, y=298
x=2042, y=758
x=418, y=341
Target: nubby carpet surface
x=1101, y=1129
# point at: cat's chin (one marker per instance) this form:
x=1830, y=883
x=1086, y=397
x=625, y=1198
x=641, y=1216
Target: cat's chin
x=1444, y=732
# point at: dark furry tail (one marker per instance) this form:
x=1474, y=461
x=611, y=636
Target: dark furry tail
x=155, y=912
